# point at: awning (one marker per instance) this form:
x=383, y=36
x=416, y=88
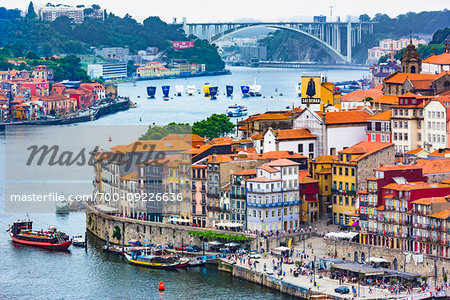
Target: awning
x=281, y=248
x=377, y=260
x=232, y=244
x=351, y=223
x=355, y=223
x=216, y=243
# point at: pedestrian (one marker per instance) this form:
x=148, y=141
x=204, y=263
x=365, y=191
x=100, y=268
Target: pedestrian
x=317, y=285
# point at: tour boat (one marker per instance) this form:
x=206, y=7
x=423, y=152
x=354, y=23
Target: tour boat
x=179, y=89
x=166, y=90
x=229, y=90
x=245, y=89
x=78, y=240
x=21, y=232
x=255, y=90
x=190, y=89
x=213, y=92
x=206, y=87
x=151, y=91
x=62, y=207
x=236, y=111
x=156, y=261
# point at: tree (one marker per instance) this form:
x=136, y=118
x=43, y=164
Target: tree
x=116, y=233
x=31, y=14
x=31, y=55
x=440, y=36
x=214, y=126
x=158, y=132
x=364, y=18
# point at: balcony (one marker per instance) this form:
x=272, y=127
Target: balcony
x=235, y=196
x=344, y=192
x=278, y=204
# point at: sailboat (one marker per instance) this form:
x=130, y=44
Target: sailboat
x=191, y=90
x=151, y=91
x=179, y=89
x=166, y=90
x=206, y=87
x=229, y=90
x=213, y=92
x=245, y=89
x=255, y=89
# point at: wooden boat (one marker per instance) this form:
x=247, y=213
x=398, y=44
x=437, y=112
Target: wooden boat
x=156, y=261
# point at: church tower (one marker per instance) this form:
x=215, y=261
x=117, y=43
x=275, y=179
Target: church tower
x=411, y=62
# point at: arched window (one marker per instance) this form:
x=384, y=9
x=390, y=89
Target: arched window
x=363, y=257
x=356, y=256
x=413, y=69
x=395, y=264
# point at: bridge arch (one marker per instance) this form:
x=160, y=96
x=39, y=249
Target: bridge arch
x=327, y=47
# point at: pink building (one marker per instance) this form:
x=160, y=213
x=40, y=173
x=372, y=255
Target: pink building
x=199, y=198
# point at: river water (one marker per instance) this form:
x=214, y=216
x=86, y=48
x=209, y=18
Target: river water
x=28, y=273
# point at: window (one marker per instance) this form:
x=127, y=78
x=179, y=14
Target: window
x=311, y=147
x=346, y=171
x=340, y=170
x=334, y=170
x=406, y=124
x=395, y=136
x=419, y=136
x=406, y=136
x=419, y=124
x=395, y=124
x=300, y=148
x=353, y=172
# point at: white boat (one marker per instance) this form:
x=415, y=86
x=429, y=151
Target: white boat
x=78, y=240
x=236, y=110
x=62, y=207
x=255, y=89
x=179, y=89
x=191, y=90
x=298, y=88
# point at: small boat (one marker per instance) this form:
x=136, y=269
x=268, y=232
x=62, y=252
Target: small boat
x=206, y=87
x=21, y=232
x=213, y=92
x=191, y=90
x=139, y=96
x=166, y=90
x=298, y=88
x=236, y=111
x=179, y=89
x=156, y=261
x=196, y=262
x=255, y=90
x=78, y=240
x=134, y=82
x=63, y=206
x=151, y=91
x=245, y=89
x=229, y=90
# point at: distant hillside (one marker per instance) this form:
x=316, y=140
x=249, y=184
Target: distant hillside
x=295, y=46
x=65, y=37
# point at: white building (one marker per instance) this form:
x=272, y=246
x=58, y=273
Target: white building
x=335, y=131
x=436, y=64
x=273, y=197
x=297, y=140
x=113, y=70
x=435, y=123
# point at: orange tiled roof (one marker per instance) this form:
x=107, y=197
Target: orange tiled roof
x=361, y=95
x=346, y=117
x=268, y=169
x=365, y=148
x=381, y=207
x=400, y=78
x=414, y=186
x=386, y=99
x=325, y=171
x=439, y=59
x=384, y=116
x=434, y=166
x=429, y=201
x=246, y=172
x=443, y=214
x=131, y=176
x=281, y=154
x=282, y=162
x=183, y=137
x=290, y=134
x=324, y=159
x=415, y=151
x=262, y=179
x=305, y=177
x=396, y=167
x=257, y=137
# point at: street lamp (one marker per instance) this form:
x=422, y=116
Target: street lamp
x=314, y=270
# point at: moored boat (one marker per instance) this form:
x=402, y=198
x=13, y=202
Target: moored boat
x=190, y=89
x=245, y=89
x=156, y=261
x=62, y=207
x=236, y=110
x=229, y=90
x=78, y=240
x=213, y=92
x=179, y=89
x=21, y=232
x=166, y=90
x=151, y=91
x=206, y=88
x=255, y=90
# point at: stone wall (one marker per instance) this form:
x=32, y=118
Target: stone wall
x=366, y=166
x=102, y=226
x=347, y=250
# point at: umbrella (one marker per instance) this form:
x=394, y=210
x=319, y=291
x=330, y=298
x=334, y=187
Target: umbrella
x=282, y=248
x=215, y=243
x=232, y=244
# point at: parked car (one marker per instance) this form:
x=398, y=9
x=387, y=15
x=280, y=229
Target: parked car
x=254, y=254
x=342, y=290
x=181, y=247
x=193, y=248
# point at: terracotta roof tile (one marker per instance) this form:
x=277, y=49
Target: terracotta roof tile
x=438, y=59
x=268, y=169
x=401, y=77
x=429, y=201
x=443, y=214
x=384, y=116
x=414, y=186
x=246, y=172
x=346, y=117
x=434, y=166
x=361, y=95
x=386, y=99
x=365, y=148
x=281, y=154
x=282, y=162
x=291, y=134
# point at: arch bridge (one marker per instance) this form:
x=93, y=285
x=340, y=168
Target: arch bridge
x=331, y=35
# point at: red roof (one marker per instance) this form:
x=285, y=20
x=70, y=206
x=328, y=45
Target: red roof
x=291, y=134
x=346, y=117
x=282, y=163
x=365, y=148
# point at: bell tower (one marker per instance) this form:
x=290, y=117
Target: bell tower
x=410, y=61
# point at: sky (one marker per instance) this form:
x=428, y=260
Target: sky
x=231, y=10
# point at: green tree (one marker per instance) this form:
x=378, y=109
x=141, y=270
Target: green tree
x=364, y=18
x=440, y=35
x=158, y=132
x=31, y=14
x=116, y=233
x=31, y=55
x=214, y=126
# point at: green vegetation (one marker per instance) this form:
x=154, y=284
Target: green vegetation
x=214, y=126
x=116, y=233
x=440, y=36
x=220, y=236
x=68, y=67
x=66, y=37
x=158, y=132
x=202, y=53
x=31, y=14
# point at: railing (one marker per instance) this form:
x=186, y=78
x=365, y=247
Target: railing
x=273, y=204
x=344, y=192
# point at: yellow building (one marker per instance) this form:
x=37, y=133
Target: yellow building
x=320, y=168
x=156, y=69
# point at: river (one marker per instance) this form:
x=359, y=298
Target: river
x=27, y=273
